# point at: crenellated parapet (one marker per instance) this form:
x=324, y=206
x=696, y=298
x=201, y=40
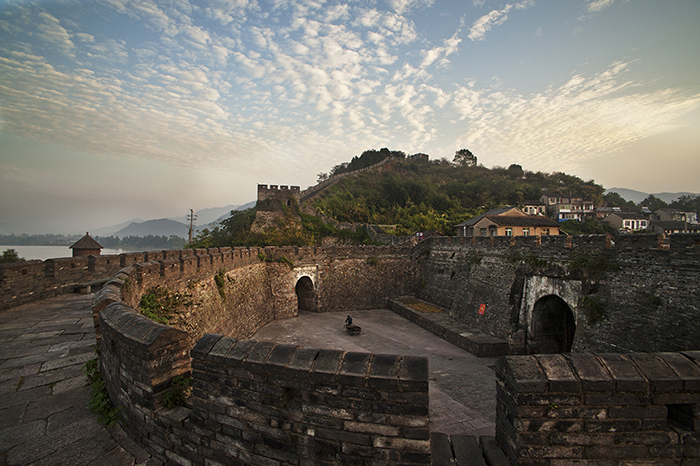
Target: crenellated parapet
x=582, y=408
x=256, y=402
x=287, y=195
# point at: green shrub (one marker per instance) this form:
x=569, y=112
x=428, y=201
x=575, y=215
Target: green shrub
x=220, y=283
x=180, y=390
x=100, y=403
x=160, y=304
x=594, y=309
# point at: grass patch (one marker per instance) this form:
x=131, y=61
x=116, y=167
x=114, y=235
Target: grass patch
x=161, y=304
x=219, y=280
x=180, y=390
x=100, y=403
x=420, y=306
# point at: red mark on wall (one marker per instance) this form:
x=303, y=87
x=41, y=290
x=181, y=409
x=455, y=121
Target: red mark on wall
x=482, y=309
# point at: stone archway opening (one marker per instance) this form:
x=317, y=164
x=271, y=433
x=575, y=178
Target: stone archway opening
x=306, y=295
x=553, y=326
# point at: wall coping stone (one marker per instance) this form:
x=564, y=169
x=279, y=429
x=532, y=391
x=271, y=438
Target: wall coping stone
x=591, y=372
x=624, y=373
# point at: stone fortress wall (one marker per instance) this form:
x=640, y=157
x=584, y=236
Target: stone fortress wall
x=255, y=402
x=552, y=409
x=630, y=293
x=279, y=193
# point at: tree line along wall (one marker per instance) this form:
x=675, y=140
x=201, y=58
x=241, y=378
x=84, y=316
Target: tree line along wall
x=637, y=292
x=260, y=403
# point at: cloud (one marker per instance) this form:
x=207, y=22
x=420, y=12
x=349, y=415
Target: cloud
x=297, y=80
x=450, y=46
x=598, y=5
x=563, y=128
x=494, y=18
x=404, y=6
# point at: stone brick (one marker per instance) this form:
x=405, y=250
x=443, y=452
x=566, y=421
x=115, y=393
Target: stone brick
x=660, y=376
x=327, y=365
x=239, y=352
x=626, y=376
x=384, y=372
x=560, y=377
x=344, y=437
x=549, y=425
x=523, y=373
x=591, y=372
x=204, y=345
x=685, y=368
x=371, y=428
x=413, y=373
x=579, y=438
x=279, y=358
x=354, y=368
x=613, y=425
x=397, y=443
x=219, y=351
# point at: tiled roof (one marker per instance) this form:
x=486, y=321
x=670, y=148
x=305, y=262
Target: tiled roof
x=86, y=242
x=504, y=220
x=630, y=215
x=496, y=211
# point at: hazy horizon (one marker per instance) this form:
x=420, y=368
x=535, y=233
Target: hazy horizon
x=116, y=109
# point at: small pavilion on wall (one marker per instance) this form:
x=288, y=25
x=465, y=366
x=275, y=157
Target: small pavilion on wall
x=86, y=246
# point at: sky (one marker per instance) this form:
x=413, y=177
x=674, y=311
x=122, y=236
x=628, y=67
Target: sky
x=118, y=109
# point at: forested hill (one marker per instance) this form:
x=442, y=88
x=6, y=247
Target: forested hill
x=420, y=195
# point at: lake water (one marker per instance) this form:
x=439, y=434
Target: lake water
x=51, y=252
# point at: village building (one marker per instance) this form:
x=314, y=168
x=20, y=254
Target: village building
x=535, y=207
x=628, y=221
x=86, y=246
x=466, y=228
x=670, y=227
x=563, y=208
x=507, y=221
x=674, y=215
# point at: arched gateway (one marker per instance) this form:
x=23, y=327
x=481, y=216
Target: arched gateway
x=553, y=326
x=548, y=314
x=306, y=295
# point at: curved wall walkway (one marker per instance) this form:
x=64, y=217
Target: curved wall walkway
x=257, y=402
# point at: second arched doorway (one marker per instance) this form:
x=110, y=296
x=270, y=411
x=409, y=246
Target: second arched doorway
x=306, y=295
x=553, y=326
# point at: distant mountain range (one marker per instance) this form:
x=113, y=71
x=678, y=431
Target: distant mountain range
x=638, y=196
x=177, y=226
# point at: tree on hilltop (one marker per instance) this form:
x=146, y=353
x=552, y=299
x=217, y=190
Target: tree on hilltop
x=653, y=203
x=465, y=157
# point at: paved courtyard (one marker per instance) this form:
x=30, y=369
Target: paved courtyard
x=462, y=386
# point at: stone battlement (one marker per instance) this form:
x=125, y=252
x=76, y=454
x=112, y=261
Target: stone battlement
x=257, y=402
x=284, y=194
x=581, y=408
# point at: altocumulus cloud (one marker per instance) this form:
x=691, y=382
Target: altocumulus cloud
x=571, y=124
x=213, y=83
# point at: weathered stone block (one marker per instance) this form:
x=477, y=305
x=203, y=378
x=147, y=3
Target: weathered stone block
x=327, y=365
x=591, y=372
x=523, y=373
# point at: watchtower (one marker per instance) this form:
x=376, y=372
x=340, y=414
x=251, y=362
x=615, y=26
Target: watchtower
x=286, y=195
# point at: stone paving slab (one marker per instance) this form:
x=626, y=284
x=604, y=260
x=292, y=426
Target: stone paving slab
x=44, y=419
x=462, y=386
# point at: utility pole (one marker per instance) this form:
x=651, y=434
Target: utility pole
x=190, y=219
